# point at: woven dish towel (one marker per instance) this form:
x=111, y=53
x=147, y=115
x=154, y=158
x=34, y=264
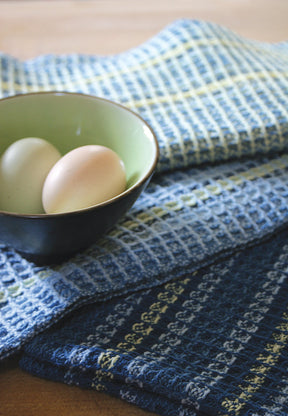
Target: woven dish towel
x=211, y=343
x=218, y=104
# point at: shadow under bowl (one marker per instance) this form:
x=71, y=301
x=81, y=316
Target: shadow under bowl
x=70, y=120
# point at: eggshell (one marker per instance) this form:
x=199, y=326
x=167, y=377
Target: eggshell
x=23, y=169
x=86, y=176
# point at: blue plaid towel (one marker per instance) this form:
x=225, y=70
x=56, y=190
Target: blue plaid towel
x=191, y=285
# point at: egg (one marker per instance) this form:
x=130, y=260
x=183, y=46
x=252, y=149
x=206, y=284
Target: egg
x=85, y=176
x=23, y=169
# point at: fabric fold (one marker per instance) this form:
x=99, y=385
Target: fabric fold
x=212, y=342
x=185, y=220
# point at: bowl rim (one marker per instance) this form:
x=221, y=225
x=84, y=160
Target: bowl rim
x=138, y=184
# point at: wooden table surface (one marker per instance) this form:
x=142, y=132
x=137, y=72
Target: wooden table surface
x=31, y=28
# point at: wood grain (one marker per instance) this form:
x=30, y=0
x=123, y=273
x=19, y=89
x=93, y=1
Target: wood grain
x=30, y=28
x=24, y=395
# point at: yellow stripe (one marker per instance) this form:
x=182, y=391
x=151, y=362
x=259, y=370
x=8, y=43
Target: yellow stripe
x=209, y=88
x=177, y=51
x=191, y=199
x=187, y=199
x=151, y=317
x=108, y=358
x=256, y=377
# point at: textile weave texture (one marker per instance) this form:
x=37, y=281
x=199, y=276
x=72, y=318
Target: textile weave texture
x=211, y=343
x=188, y=292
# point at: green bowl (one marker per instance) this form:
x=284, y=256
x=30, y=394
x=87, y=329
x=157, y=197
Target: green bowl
x=70, y=120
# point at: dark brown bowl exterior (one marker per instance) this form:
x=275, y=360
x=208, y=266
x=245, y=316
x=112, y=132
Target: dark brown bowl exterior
x=49, y=239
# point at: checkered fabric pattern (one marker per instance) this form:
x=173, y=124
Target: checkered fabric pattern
x=211, y=343
x=191, y=284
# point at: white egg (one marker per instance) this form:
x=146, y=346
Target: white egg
x=23, y=169
x=85, y=176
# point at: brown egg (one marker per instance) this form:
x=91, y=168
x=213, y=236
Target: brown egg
x=86, y=176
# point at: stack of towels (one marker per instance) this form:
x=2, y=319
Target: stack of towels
x=182, y=309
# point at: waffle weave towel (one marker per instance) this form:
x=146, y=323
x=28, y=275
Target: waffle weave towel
x=218, y=104
x=211, y=343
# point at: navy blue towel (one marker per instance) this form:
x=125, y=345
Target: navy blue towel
x=214, y=341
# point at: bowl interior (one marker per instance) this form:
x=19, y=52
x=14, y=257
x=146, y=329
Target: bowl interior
x=69, y=120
